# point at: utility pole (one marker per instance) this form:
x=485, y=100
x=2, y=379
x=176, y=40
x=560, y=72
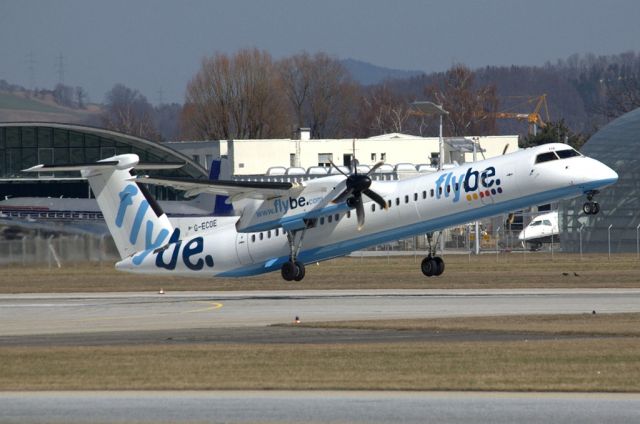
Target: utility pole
x=31, y=63
x=60, y=68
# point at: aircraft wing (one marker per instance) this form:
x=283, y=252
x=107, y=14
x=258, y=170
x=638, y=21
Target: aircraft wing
x=236, y=190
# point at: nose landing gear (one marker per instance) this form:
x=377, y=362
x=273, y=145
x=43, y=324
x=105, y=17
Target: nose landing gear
x=590, y=207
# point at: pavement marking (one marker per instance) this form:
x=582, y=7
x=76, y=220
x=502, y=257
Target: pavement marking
x=212, y=307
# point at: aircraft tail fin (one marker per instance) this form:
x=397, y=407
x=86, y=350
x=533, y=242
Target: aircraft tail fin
x=220, y=171
x=134, y=218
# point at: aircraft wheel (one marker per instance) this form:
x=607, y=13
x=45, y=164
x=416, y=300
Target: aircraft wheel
x=289, y=271
x=591, y=208
x=300, y=271
x=439, y=268
x=428, y=266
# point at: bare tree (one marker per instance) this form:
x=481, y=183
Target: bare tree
x=383, y=110
x=320, y=93
x=235, y=97
x=128, y=111
x=471, y=110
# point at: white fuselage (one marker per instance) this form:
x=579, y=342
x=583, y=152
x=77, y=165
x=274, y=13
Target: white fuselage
x=417, y=205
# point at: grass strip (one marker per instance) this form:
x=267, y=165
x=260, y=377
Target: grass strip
x=506, y=270
x=624, y=324
x=548, y=365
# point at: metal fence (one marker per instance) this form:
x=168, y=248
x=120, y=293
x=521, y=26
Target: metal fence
x=56, y=251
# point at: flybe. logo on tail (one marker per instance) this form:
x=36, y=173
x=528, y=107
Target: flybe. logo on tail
x=126, y=199
x=190, y=252
x=474, y=184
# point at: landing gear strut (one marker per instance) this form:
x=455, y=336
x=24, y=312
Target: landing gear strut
x=432, y=265
x=294, y=269
x=590, y=207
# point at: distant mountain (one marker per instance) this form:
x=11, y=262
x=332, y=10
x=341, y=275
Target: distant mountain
x=368, y=74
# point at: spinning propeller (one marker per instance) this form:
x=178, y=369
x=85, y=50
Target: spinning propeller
x=355, y=186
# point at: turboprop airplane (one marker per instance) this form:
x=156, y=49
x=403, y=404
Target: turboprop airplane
x=283, y=226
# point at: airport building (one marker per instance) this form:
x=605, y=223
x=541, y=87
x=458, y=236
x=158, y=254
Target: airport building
x=26, y=144
x=617, y=227
x=302, y=155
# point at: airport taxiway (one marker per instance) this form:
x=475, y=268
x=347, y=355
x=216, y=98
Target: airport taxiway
x=318, y=406
x=54, y=314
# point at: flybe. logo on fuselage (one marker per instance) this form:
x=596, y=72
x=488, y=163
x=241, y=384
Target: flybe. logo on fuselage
x=474, y=184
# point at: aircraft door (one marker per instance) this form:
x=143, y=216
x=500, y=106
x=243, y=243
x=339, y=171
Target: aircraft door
x=242, y=248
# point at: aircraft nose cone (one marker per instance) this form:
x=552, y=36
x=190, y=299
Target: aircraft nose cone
x=610, y=174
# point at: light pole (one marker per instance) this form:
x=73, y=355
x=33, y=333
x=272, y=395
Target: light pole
x=430, y=108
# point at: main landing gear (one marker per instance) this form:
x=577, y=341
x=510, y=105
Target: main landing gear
x=590, y=207
x=432, y=265
x=293, y=270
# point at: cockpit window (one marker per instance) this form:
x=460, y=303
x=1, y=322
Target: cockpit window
x=563, y=154
x=546, y=157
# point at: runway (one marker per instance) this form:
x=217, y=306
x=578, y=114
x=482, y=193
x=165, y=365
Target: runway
x=318, y=406
x=55, y=314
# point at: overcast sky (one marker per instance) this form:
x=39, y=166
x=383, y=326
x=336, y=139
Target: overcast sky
x=157, y=45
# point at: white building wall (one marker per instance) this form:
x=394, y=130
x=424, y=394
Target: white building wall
x=253, y=157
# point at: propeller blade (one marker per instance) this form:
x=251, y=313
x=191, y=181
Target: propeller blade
x=343, y=196
x=360, y=213
x=338, y=169
x=376, y=198
x=376, y=166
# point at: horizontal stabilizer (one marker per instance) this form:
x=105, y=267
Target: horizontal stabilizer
x=124, y=162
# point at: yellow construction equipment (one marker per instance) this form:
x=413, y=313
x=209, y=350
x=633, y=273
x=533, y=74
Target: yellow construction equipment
x=534, y=119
